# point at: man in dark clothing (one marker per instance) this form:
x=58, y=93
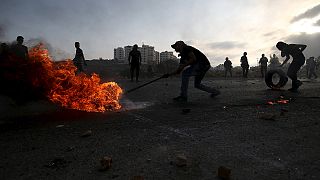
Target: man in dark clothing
x=244, y=65
x=263, y=65
x=227, y=67
x=134, y=62
x=311, y=68
x=198, y=66
x=295, y=50
x=19, y=50
x=79, y=59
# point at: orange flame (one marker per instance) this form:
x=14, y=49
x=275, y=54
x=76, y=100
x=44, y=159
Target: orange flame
x=64, y=87
x=282, y=101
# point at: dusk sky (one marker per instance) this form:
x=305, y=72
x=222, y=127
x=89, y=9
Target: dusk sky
x=217, y=28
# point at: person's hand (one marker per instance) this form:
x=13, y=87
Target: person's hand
x=165, y=76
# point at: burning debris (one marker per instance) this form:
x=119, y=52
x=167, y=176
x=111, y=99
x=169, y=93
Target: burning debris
x=58, y=82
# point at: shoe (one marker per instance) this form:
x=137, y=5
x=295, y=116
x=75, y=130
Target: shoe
x=215, y=93
x=293, y=89
x=180, y=99
x=299, y=83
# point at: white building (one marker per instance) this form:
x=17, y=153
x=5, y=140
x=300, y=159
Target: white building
x=167, y=55
x=157, y=57
x=127, y=50
x=147, y=54
x=118, y=55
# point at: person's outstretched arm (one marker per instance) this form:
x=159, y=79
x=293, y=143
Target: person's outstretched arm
x=287, y=58
x=191, y=59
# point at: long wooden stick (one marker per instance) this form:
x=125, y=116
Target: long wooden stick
x=133, y=89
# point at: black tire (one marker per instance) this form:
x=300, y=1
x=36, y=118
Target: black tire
x=282, y=81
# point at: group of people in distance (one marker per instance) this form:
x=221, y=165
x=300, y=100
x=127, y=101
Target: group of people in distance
x=198, y=65
x=194, y=63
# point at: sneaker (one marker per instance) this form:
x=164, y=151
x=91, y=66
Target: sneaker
x=215, y=93
x=180, y=99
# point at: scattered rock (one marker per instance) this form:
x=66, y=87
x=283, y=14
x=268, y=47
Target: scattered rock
x=57, y=163
x=137, y=178
x=106, y=163
x=267, y=116
x=70, y=148
x=186, y=111
x=224, y=173
x=87, y=133
x=181, y=160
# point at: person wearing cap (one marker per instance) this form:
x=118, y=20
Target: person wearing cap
x=20, y=50
x=244, y=65
x=79, y=59
x=134, y=62
x=198, y=66
x=295, y=50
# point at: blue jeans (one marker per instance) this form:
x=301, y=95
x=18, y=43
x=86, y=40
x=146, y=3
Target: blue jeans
x=198, y=73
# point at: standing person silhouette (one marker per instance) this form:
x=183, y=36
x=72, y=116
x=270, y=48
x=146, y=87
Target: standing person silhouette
x=227, y=67
x=295, y=50
x=263, y=65
x=79, y=59
x=134, y=62
x=20, y=50
x=244, y=65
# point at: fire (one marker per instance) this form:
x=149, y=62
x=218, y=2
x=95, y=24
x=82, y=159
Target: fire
x=281, y=101
x=63, y=86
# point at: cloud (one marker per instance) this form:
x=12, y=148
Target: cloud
x=317, y=23
x=2, y=31
x=310, y=13
x=311, y=40
x=226, y=45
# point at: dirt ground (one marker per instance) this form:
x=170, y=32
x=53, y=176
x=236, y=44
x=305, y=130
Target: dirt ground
x=237, y=130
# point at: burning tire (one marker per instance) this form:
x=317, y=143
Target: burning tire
x=283, y=79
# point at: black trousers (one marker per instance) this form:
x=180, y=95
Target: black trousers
x=134, y=67
x=294, y=68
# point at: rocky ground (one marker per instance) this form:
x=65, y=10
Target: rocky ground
x=155, y=138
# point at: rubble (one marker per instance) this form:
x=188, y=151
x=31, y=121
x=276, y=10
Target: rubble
x=106, y=163
x=137, y=178
x=224, y=173
x=87, y=133
x=57, y=163
x=186, y=111
x=181, y=160
x=267, y=116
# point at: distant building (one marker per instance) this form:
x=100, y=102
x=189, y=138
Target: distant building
x=157, y=57
x=118, y=55
x=147, y=54
x=166, y=55
x=127, y=50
